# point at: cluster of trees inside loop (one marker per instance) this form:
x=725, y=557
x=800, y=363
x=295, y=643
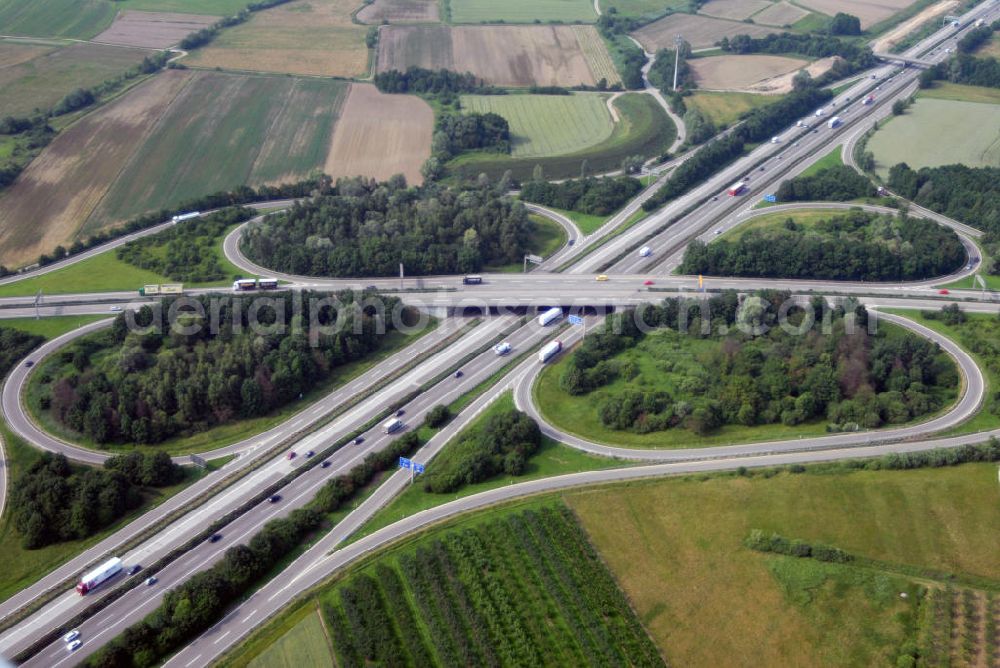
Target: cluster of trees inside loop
x=365, y=228
x=161, y=380
x=858, y=245
x=967, y=194
x=759, y=373
x=53, y=501
x=599, y=197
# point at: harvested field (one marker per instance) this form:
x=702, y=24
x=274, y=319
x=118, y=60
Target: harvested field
x=645, y=8
x=309, y=37
x=783, y=83
x=935, y=132
x=48, y=203
x=521, y=11
x=260, y=129
x=700, y=31
x=885, y=43
x=154, y=30
x=380, y=135
x=548, y=124
x=502, y=55
x=869, y=11
x=399, y=11
x=81, y=19
x=597, y=54
x=740, y=72
x=14, y=52
x=45, y=79
x=780, y=14
x=214, y=7
x=734, y=10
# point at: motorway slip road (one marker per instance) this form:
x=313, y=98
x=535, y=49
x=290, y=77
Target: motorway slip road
x=67, y=605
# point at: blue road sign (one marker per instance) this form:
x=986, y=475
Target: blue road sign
x=418, y=468
x=575, y=320
x=404, y=463
x=770, y=198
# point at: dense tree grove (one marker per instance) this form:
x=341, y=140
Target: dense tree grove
x=833, y=184
x=14, y=346
x=844, y=24
x=700, y=128
x=501, y=444
x=760, y=373
x=968, y=194
x=366, y=229
x=964, y=69
x=186, y=252
x=858, y=246
x=454, y=133
x=852, y=56
x=53, y=502
x=661, y=74
x=974, y=39
x=600, y=197
x=147, y=386
x=422, y=81
x=756, y=126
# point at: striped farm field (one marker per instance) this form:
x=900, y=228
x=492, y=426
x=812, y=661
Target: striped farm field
x=597, y=54
x=548, y=124
x=521, y=11
x=55, y=18
x=259, y=130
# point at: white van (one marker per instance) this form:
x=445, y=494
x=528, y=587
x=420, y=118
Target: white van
x=645, y=251
x=392, y=425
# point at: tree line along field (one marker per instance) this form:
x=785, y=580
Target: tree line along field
x=520, y=588
x=542, y=55
x=521, y=11
x=548, y=124
x=935, y=132
x=36, y=75
x=643, y=129
x=307, y=37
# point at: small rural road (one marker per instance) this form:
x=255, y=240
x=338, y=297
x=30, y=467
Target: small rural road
x=650, y=89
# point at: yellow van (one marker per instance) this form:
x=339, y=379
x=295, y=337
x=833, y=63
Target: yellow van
x=602, y=277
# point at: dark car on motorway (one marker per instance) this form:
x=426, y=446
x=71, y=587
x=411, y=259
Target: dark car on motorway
x=309, y=454
x=215, y=538
x=274, y=498
x=325, y=465
x=29, y=363
x=359, y=440
x=135, y=569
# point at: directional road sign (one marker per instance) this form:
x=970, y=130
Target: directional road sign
x=405, y=463
x=770, y=198
x=575, y=320
x=418, y=468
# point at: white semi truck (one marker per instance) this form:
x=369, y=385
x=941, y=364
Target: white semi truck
x=105, y=571
x=549, y=350
x=550, y=316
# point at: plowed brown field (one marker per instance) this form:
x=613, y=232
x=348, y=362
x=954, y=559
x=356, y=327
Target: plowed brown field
x=380, y=135
x=155, y=30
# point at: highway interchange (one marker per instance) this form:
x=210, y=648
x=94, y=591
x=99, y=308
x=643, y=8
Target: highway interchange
x=429, y=380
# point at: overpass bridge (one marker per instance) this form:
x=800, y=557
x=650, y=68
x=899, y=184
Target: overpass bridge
x=907, y=61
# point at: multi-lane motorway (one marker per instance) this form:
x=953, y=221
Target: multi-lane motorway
x=266, y=457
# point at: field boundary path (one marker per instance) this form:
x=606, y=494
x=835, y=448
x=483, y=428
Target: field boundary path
x=650, y=89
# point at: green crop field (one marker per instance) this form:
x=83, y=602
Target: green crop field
x=831, y=159
x=223, y=131
x=210, y=7
x=519, y=589
x=644, y=129
x=543, y=125
x=944, y=90
x=521, y=11
x=936, y=132
x=305, y=644
x=676, y=548
x=649, y=8
x=43, y=80
x=50, y=327
x=81, y=19
x=726, y=108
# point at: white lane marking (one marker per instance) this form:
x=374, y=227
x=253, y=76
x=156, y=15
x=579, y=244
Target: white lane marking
x=220, y=638
x=189, y=663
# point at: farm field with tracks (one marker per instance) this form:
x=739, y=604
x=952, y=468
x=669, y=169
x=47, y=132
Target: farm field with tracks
x=308, y=37
x=38, y=75
x=156, y=30
x=80, y=19
x=869, y=12
x=214, y=7
x=548, y=124
x=263, y=129
x=726, y=108
x=502, y=55
x=735, y=72
x=936, y=132
x=780, y=14
x=380, y=135
x=700, y=31
x=49, y=202
x=521, y=11
x=399, y=11
x=734, y=10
